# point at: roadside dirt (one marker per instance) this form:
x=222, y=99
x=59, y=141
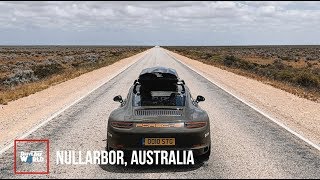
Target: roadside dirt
x=301, y=115
x=19, y=116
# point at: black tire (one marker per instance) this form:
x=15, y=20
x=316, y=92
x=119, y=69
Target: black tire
x=107, y=147
x=204, y=157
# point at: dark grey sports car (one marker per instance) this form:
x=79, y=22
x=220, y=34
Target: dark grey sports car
x=159, y=113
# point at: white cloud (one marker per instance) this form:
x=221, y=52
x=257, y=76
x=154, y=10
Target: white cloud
x=155, y=14
x=240, y=16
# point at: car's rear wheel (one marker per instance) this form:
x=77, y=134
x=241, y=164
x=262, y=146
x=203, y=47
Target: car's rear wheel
x=204, y=157
x=107, y=147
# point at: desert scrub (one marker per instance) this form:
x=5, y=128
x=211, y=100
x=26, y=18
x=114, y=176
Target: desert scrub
x=295, y=69
x=45, y=70
x=28, y=69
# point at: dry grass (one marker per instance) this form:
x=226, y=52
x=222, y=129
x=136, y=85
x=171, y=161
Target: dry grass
x=31, y=88
x=58, y=70
x=300, y=76
x=298, y=91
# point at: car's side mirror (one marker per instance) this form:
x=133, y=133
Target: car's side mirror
x=200, y=98
x=118, y=98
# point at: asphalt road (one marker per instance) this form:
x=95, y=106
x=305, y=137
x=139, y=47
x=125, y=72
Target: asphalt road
x=245, y=144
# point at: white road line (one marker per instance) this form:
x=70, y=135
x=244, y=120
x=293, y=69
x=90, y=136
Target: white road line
x=73, y=103
x=250, y=105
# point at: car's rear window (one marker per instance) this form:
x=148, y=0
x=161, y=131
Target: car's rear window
x=150, y=97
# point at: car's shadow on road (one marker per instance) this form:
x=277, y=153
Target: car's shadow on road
x=150, y=168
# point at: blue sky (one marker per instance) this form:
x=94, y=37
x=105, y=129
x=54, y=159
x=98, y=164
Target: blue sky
x=159, y=23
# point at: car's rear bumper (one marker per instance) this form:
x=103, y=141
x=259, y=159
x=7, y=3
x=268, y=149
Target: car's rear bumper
x=197, y=151
x=197, y=141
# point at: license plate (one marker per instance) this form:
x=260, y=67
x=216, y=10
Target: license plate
x=159, y=141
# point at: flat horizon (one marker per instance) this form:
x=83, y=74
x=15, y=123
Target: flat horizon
x=160, y=45
x=200, y=23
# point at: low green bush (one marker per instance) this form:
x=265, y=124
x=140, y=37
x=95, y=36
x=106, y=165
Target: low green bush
x=307, y=79
x=46, y=70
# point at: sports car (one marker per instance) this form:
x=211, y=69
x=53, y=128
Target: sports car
x=159, y=113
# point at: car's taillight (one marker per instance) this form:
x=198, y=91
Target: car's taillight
x=195, y=124
x=125, y=125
